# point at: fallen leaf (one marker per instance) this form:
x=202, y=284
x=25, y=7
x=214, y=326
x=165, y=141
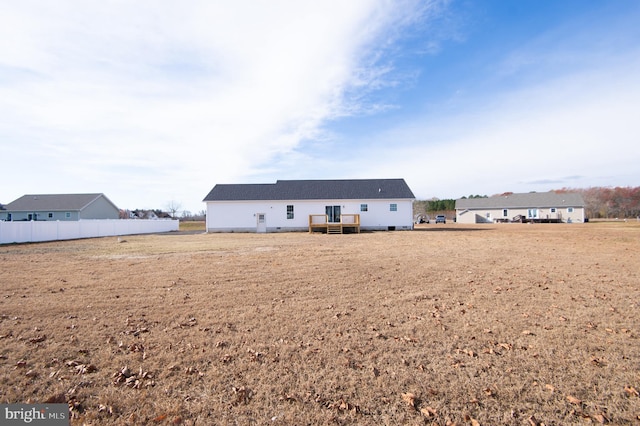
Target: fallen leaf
x=409, y=398
x=58, y=398
x=428, y=412
x=38, y=339
x=160, y=418
x=573, y=400
x=105, y=408
x=243, y=394
x=86, y=368
x=631, y=391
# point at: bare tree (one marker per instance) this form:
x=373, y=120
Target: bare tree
x=173, y=207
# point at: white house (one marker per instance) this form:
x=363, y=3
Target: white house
x=292, y=205
x=528, y=207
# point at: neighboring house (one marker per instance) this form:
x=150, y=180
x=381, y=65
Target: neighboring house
x=60, y=207
x=531, y=207
x=290, y=205
x=145, y=214
x=149, y=215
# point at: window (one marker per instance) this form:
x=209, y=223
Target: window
x=505, y=213
x=393, y=207
x=553, y=209
x=290, y=212
x=364, y=207
x=50, y=215
x=570, y=210
x=67, y=215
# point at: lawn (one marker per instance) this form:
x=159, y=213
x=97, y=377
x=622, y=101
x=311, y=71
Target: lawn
x=449, y=324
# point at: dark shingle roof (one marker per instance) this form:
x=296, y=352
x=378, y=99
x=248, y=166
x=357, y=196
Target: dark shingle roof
x=52, y=202
x=528, y=200
x=347, y=189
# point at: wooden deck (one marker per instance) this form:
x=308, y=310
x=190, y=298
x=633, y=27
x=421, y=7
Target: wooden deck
x=348, y=223
x=522, y=219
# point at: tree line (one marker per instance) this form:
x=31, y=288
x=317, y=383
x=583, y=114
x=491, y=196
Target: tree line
x=607, y=203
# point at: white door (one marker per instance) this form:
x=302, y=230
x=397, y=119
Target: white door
x=261, y=225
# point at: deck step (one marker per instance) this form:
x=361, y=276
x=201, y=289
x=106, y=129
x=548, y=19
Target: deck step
x=334, y=229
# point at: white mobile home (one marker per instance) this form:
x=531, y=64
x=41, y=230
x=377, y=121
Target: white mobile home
x=549, y=207
x=294, y=205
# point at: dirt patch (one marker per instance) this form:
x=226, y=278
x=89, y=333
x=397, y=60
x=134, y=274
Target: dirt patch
x=509, y=324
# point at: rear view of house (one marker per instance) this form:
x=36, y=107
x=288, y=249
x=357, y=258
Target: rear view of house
x=42, y=207
x=550, y=207
x=292, y=205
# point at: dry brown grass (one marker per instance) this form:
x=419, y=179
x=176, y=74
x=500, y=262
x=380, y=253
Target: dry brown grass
x=511, y=324
x=192, y=225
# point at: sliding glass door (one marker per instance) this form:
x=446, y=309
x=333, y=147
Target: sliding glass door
x=333, y=213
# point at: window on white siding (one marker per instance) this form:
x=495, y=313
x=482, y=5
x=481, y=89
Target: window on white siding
x=290, y=211
x=50, y=215
x=570, y=210
x=505, y=213
x=67, y=215
x=393, y=207
x=553, y=209
x=364, y=207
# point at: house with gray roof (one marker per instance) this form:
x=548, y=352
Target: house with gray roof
x=550, y=207
x=42, y=207
x=293, y=205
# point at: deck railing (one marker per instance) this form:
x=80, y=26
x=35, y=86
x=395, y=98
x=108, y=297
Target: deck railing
x=321, y=222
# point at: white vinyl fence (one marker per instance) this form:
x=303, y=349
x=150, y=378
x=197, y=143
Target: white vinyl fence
x=23, y=232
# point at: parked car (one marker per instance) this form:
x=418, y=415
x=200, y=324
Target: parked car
x=441, y=219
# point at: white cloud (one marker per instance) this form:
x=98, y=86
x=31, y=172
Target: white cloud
x=145, y=99
x=152, y=101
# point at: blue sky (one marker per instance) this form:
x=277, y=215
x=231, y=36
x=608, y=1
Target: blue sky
x=157, y=101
